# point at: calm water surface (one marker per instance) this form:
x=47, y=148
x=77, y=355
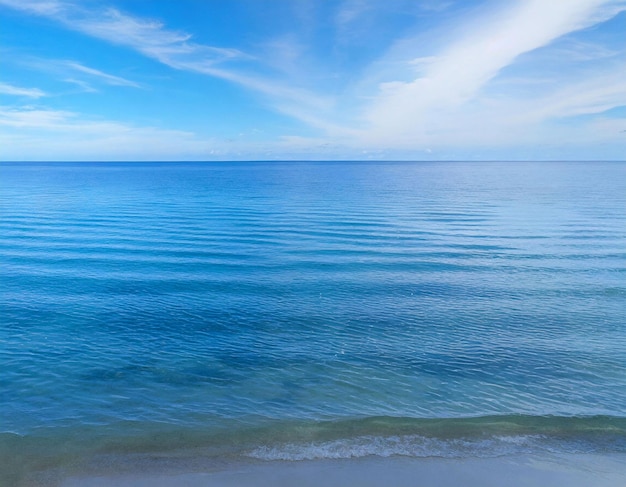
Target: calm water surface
x=309, y=310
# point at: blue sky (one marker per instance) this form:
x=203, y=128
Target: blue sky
x=312, y=79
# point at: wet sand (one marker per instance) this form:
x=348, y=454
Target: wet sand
x=572, y=470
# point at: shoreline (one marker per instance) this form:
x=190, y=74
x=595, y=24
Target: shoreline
x=526, y=451
x=531, y=470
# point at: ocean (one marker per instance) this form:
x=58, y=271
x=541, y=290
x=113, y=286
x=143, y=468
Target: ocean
x=288, y=311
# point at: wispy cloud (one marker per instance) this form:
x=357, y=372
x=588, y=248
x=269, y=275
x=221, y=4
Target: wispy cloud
x=7, y=89
x=175, y=49
x=82, y=84
x=96, y=73
x=458, y=91
x=39, y=7
x=28, y=133
x=150, y=37
x=34, y=133
x=460, y=71
x=172, y=48
x=579, y=51
x=603, y=92
x=350, y=11
x=76, y=73
x=32, y=118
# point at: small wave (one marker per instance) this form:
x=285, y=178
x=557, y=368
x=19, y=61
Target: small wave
x=410, y=446
x=454, y=438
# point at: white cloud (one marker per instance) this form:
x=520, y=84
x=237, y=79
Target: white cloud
x=149, y=37
x=7, y=89
x=351, y=10
x=459, y=72
x=566, y=114
x=578, y=51
x=29, y=133
x=83, y=85
x=603, y=92
x=29, y=118
x=452, y=94
x=39, y=7
x=105, y=77
x=76, y=73
x=174, y=49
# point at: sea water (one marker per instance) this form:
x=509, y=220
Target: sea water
x=299, y=310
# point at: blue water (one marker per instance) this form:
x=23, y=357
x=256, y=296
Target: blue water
x=307, y=310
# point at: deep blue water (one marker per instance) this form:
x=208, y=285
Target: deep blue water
x=297, y=310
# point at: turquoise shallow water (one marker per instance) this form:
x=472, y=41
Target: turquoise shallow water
x=311, y=310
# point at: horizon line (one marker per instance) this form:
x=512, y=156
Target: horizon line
x=205, y=161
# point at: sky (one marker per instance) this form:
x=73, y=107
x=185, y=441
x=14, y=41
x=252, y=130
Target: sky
x=115, y=80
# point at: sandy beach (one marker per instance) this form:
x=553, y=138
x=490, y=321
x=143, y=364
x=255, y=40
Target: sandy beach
x=585, y=470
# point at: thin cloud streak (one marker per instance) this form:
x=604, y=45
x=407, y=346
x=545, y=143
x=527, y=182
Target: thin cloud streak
x=107, y=78
x=146, y=36
x=8, y=89
x=68, y=70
